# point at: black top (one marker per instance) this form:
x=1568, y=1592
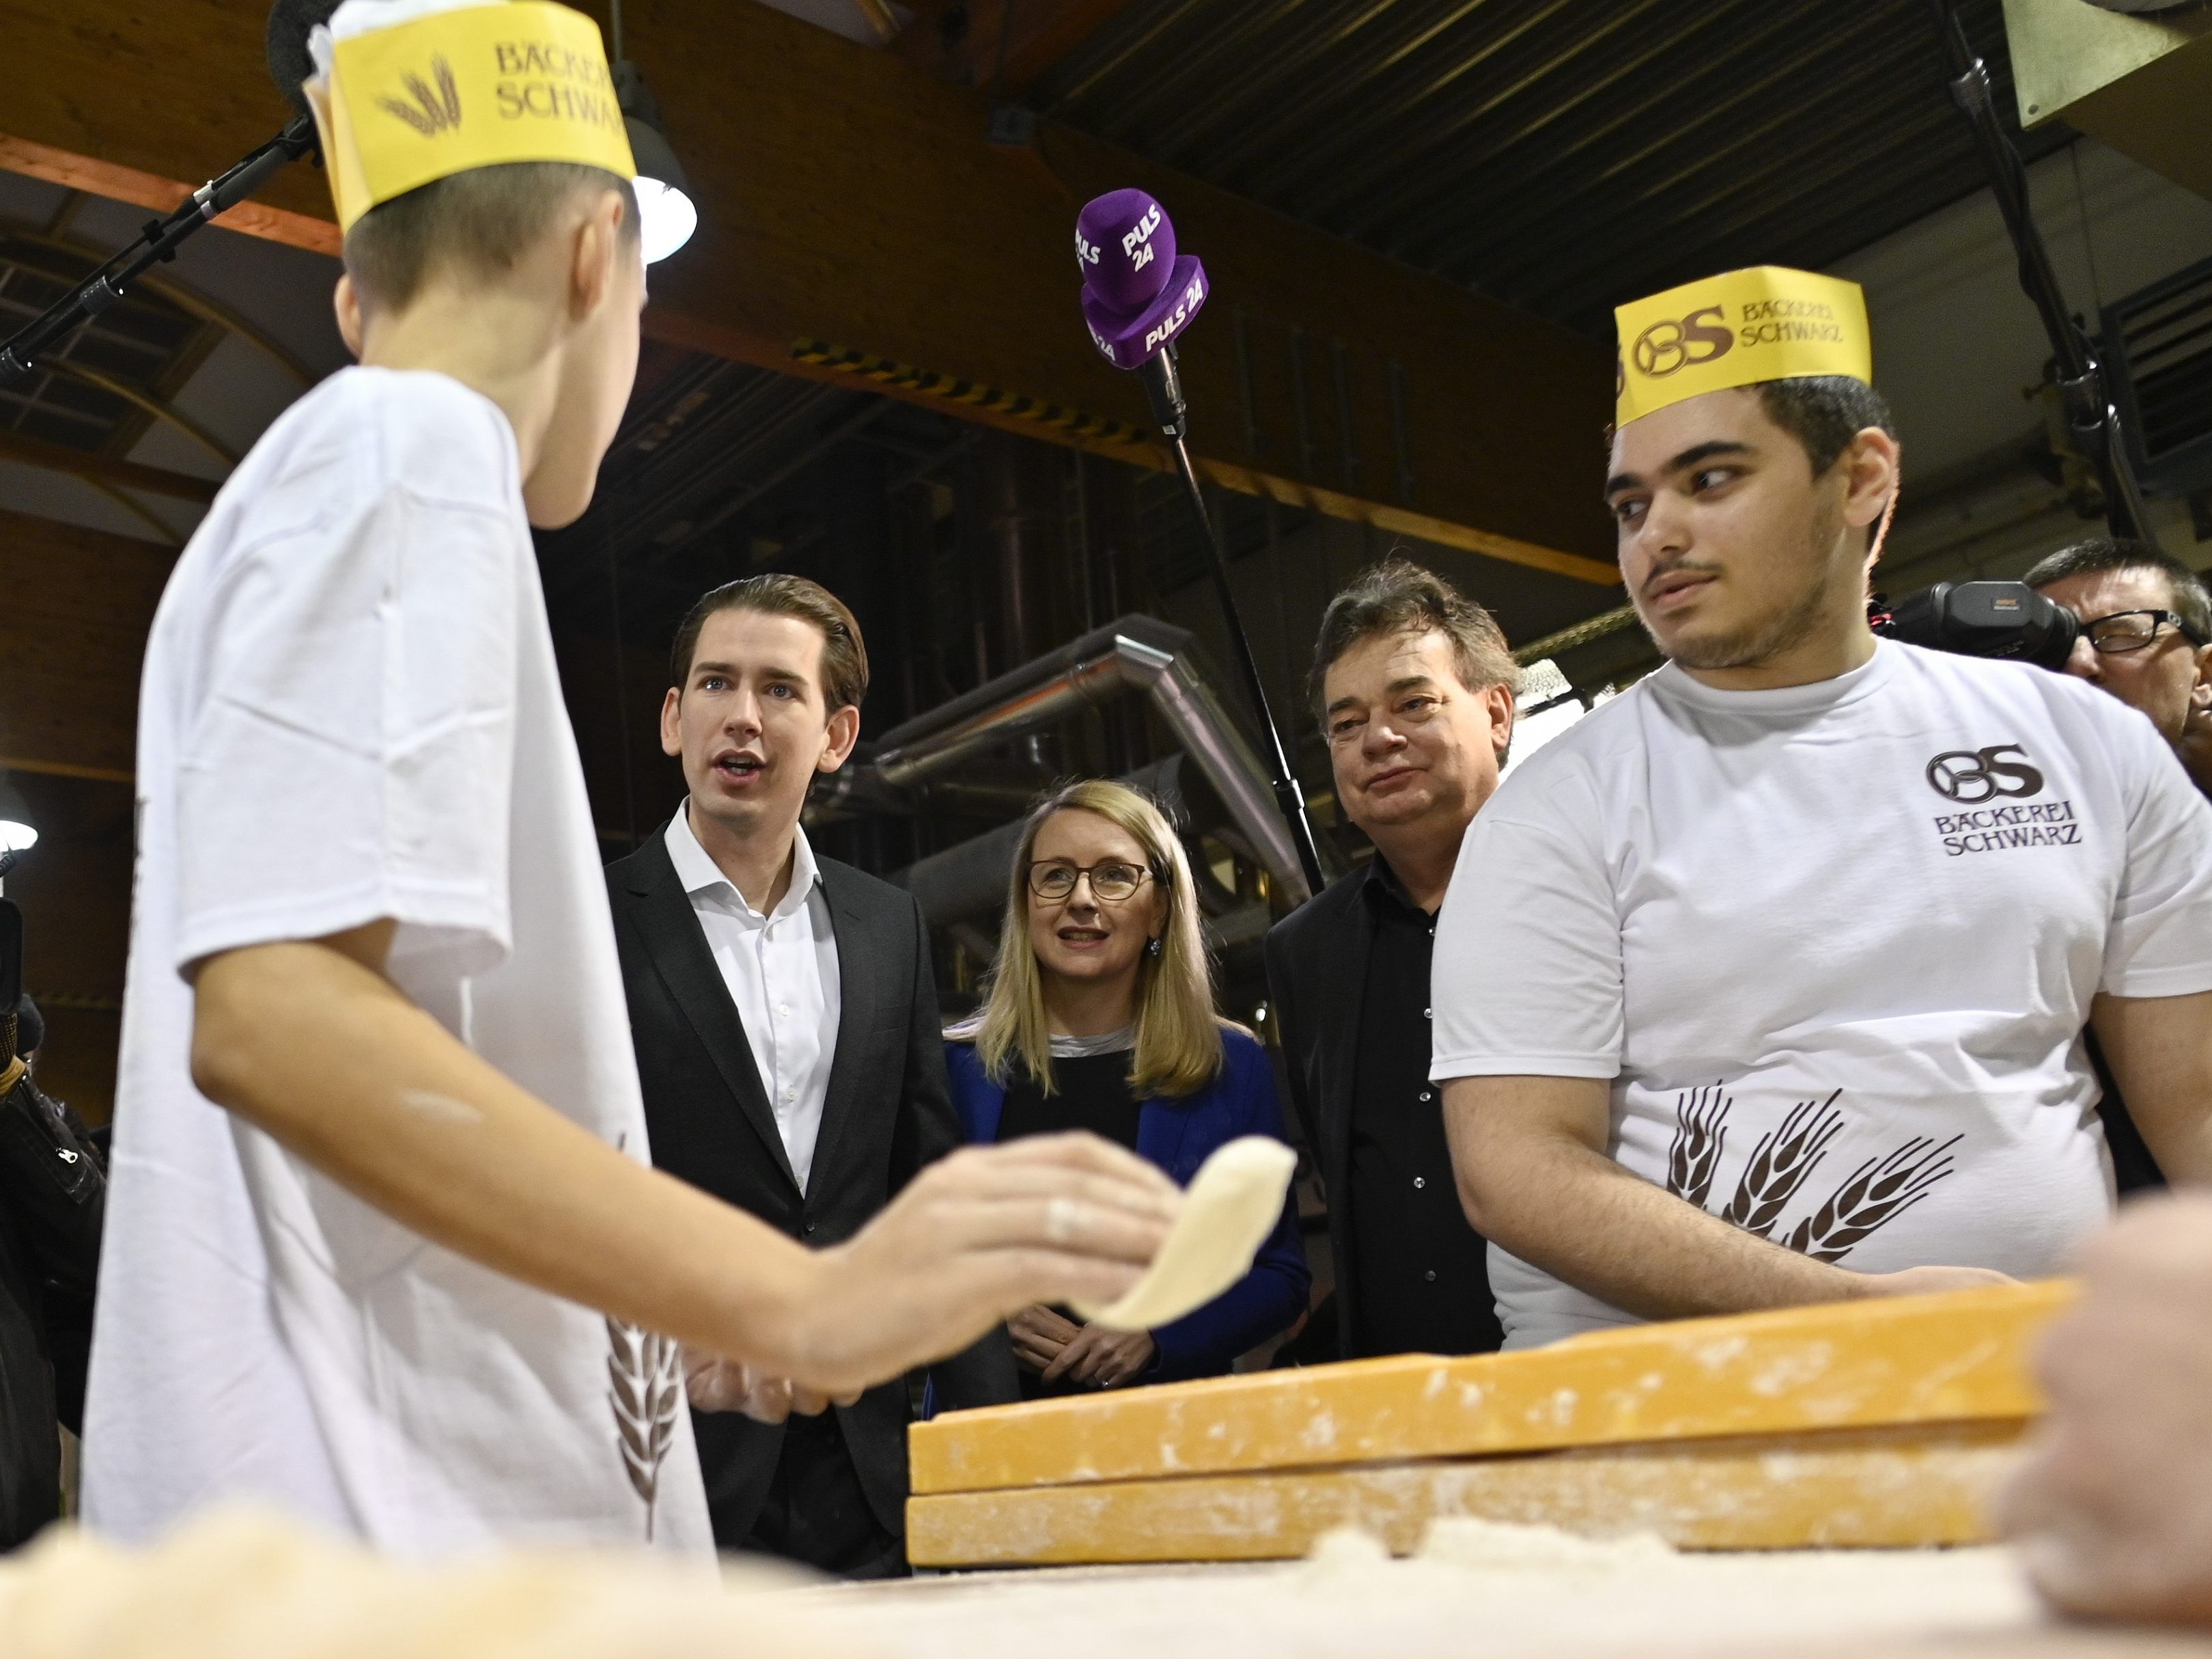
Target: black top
x=1422, y=1274
x=1090, y=1092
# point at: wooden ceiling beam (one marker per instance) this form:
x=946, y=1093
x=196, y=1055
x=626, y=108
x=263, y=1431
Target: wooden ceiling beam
x=73, y=633
x=847, y=200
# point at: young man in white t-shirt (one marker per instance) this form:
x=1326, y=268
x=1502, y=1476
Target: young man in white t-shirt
x=1765, y=984
x=384, y=1247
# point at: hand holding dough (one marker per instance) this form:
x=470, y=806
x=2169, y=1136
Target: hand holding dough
x=1228, y=1211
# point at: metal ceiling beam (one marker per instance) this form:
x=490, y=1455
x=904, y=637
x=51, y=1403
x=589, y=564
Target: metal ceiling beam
x=106, y=469
x=1575, y=177
x=167, y=534
x=145, y=401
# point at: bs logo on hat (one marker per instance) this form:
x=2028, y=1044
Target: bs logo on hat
x=1768, y=323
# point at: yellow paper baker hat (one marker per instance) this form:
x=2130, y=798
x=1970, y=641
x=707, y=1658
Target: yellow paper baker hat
x=1768, y=323
x=444, y=86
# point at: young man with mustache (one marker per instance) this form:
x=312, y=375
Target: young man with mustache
x=1804, y=929
x=784, y=1014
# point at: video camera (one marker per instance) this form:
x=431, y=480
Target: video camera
x=2009, y=620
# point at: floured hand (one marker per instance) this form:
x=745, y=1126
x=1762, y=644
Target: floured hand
x=714, y=1384
x=973, y=1238
x=2114, y=1511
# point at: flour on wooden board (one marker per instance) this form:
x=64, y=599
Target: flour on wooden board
x=1479, y=1590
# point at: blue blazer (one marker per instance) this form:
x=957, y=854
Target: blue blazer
x=1177, y=1135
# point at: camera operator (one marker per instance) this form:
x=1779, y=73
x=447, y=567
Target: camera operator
x=2146, y=637
x=1806, y=926
x=53, y=1192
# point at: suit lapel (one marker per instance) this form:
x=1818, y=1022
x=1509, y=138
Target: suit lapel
x=679, y=951
x=861, y=987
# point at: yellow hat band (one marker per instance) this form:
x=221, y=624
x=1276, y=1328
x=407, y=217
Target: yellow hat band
x=1768, y=323
x=407, y=106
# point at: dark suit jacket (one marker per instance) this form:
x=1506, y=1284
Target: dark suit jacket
x=885, y=1117
x=1317, y=961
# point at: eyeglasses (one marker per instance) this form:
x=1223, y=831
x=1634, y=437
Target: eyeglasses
x=2131, y=630
x=1110, y=882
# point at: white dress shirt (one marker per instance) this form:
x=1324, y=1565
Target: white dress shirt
x=782, y=972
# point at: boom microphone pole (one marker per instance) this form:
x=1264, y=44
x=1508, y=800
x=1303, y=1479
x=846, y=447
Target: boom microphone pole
x=2089, y=412
x=156, y=245
x=1138, y=295
x=289, y=64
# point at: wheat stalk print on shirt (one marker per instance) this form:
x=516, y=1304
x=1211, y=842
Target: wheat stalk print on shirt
x=645, y=1389
x=1876, y=1193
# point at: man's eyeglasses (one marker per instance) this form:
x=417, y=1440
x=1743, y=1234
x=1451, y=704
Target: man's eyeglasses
x=1110, y=882
x=2131, y=630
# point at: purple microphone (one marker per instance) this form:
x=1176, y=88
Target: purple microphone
x=1139, y=294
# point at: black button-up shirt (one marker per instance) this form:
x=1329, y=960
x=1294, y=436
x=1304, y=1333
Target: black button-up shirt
x=1421, y=1277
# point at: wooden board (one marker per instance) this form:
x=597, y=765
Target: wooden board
x=1880, y=1488
x=1961, y=1357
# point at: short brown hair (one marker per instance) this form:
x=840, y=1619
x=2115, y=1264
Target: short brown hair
x=844, y=654
x=473, y=222
x=1399, y=597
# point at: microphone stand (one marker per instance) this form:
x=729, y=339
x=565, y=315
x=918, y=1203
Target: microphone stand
x=1164, y=389
x=2089, y=412
x=155, y=244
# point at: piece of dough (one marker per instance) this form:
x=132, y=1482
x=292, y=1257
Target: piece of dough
x=1231, y=1206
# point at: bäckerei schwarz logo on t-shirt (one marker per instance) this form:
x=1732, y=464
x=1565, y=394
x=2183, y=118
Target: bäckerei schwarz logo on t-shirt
x=1996, y=786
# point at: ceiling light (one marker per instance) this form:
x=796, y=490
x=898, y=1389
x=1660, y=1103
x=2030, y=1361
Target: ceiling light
x=666, y=215
x=17, y=835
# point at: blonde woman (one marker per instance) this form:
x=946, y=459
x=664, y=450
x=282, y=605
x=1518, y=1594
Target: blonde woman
x=1100, y=1017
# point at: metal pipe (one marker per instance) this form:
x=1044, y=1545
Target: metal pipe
x=971, y=880
x=1136, y=653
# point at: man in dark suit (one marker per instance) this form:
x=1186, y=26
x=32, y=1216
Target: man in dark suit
x=786, y=1019
x=1414, y=687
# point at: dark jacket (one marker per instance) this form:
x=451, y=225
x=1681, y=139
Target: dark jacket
x=53, y=1196
x=1315, y=957
x=885, y=1117
x=1177, y=1135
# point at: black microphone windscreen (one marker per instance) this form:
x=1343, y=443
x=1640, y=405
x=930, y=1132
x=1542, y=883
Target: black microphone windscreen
x=290, y=65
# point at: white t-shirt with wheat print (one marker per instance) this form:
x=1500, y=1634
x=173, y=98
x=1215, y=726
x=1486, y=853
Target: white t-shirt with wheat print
x=1835, y=946
x=350, y=711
